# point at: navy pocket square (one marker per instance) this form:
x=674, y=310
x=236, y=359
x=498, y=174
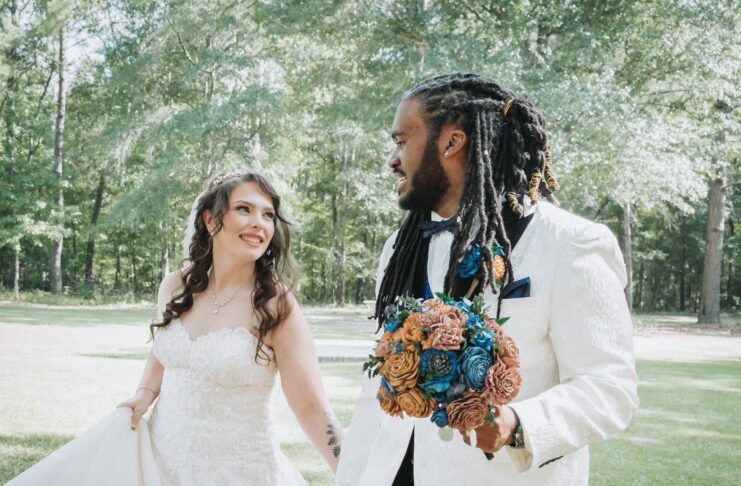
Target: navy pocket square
x=517, y=289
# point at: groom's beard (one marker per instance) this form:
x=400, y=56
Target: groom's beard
x=429, y=184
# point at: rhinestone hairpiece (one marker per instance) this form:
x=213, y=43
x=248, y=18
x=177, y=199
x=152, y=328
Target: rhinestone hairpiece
x=231, y=175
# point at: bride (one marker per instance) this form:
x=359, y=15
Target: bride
x=227, y=324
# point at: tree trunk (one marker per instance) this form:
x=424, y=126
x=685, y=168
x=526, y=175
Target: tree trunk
x=165, y=263
x=334, y=267
x=709, y=312
x=342, y=226
x=56, y=264
x=16, y=271
x=682, y=269
x=640, y=285
x=132, y=255
x=92, y=233
x=117, y=284
x=729, y=257
x=628, y=253
x=324, y=294
x=542, y=42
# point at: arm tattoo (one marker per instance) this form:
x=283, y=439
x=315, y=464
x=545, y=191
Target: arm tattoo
x=334, y=431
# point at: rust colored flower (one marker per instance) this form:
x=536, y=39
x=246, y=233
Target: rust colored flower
x=388, y=403
x=444, y=338
x=431, y=318
x=502, y=384
x=384, y=345
x=508, y=352
x=396, y=336
x=412, y=330
x=434, y=304
x=468, y=412
x=499, y=267
x=453, y=316
x=401, y=369
x=414, y=403
x=493, y=325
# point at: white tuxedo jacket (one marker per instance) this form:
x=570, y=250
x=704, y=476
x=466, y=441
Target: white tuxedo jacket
x=578, y=372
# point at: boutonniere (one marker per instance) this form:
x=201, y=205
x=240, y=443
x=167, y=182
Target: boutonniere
x=487, y=266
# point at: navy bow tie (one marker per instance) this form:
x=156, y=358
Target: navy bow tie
x=430, y=228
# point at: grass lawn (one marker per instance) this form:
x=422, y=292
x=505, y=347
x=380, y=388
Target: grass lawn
x=687, y=430
x=686, y=322
x=71, y=316
x=325, y=323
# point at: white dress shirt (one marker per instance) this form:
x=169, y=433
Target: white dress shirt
x=578, y=373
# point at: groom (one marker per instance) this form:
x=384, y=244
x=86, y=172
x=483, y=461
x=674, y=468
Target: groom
x=473, y=166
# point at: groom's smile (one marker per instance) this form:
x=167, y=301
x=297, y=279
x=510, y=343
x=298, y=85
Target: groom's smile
x=401, y=181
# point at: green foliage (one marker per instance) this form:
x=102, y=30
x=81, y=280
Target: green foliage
x=641, y=100
x=478, y=305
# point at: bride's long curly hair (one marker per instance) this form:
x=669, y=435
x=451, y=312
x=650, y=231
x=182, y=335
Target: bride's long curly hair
x=275, y=271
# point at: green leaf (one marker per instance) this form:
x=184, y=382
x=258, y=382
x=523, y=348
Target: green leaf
x=447, y=298
x=490, y=415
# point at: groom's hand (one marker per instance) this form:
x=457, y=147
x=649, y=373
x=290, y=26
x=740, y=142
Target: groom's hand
x=492, y=438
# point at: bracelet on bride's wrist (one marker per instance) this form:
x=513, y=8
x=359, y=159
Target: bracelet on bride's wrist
x=154, y=393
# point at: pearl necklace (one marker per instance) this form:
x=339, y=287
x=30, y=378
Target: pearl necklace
x=219, y=305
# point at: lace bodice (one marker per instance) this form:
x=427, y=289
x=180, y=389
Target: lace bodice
x=212, y=415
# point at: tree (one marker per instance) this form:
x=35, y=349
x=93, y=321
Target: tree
x=709, y=312
x=57, y=244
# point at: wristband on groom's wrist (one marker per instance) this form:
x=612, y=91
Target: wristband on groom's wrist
x=518, y=436
x=519, y=441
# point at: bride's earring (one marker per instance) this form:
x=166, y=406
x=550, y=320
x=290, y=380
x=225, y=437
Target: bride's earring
x=269, y=257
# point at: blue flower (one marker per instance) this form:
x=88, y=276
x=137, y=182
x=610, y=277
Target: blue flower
x=472, y=263
x=467, y=309
x=475, y=321
x=483, y=338
x=398, y=347
x=474, y=363
x=392, y=326
x=386, y=385
x=390, y=312
x=437, y=370
x=440, y=418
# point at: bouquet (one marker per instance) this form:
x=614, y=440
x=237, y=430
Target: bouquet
x=446, y=360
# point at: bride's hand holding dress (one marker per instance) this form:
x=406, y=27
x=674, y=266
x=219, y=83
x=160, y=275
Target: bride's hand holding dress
x=139, y=405
x=145, y=395
x=151, y=380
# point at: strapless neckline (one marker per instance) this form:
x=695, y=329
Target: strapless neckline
x=221, y=330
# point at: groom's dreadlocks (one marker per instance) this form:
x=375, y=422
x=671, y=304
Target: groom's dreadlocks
x=508, y=158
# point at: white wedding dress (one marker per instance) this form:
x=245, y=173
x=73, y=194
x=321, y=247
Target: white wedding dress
x=210, y=425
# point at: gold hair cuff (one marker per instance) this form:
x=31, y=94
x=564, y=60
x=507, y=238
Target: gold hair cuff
x=507, y=106
x=514, y=204
x=535, y=179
